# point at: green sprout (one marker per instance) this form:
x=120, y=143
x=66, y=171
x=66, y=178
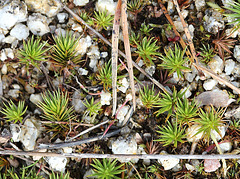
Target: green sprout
x=174, y=61
x=32, y=53
x=103, y=19
x=167, y=102
x=207, y=53
x=209, y=121
x=13, y=112
x=55, y=109
x=147, y=50
x=92, y=109
x=108, y=169
x=171, y=134
x=61, y=176
x=64, y=51
x=105, y=75
x=135, y=6
x=186, y=111
x=148, y=97
x=234, y=7
x=24, y=173
x=133, y=38
x=145, y=29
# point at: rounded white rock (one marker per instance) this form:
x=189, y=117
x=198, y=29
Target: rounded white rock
x=35, y=98
x=229, y=66
x=80, y=2
x=38, y=24
x=168, y=163
x=192, y=135
x=216, y=64
x=20, y=31
x=108, y=5
x=209, y=84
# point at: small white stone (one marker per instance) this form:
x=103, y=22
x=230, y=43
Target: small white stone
x=35, y=98
x=93, y=64
x=124, y=84
x=9, y=53
x=3, y=55
x=39, y=157
x=77, y=102
x=15, y=131
x=236, y=52
x=129, y=97
x=57, y=163
x=105, y=98
x=188, y=92
x=20, y=31
x=141, y=63
x=94, y=52
x=179, y=26
x=67, y=150
x=222, y=130
x=209, y=84
x=29, y=133
x=184, y=13
x=189, y=76
x=103, y=54
x=216, y=64
x=225, y=146
x=125, y=146
x=213, y=21
x=2, y=36
x=14, y=93
x=170, y=7
x=16, y=86
x=4, y=69
x=62, y=17
x=83, y=44
x=82, y=71
x=38, y=24
x=168, y=163
x=192, y=135
x=12, y=12
x=46, y=7
x=80, y=2
x=199, y=4
x=189, y=167
x=108, y=5
x=9, y=39
x=77, y=27
x=229, y=66
x=29, y=89
x=122, y=113
x=150, y=70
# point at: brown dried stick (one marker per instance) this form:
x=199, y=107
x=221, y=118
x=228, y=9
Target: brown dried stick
x=127, y=49
x=122, y=156
x=119, y=51
x=115, y=36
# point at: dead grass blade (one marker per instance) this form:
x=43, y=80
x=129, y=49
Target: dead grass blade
x=187, y=33
x=127, y=49
x=77, y=18
x=115, y=36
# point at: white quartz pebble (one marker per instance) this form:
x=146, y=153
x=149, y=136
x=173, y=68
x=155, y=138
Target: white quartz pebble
x=20, y=31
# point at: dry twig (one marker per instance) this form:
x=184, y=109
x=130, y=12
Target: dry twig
x=127, y=49
x=122, y=156
x=115, y=36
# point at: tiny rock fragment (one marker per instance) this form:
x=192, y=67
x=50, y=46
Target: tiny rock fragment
x=211, y=165
x=168, y=164
x=216, y=98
